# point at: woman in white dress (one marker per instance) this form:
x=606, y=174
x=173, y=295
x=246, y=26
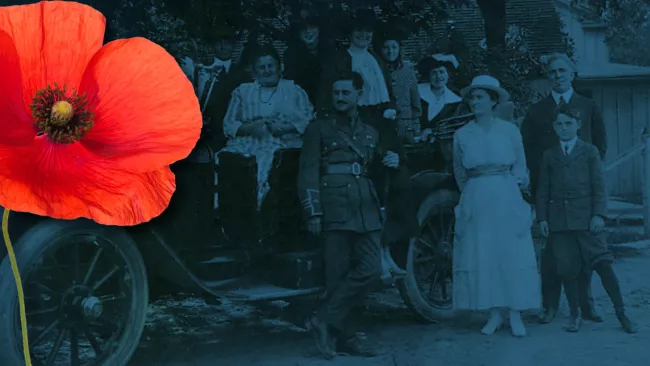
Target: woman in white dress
x=494, y=259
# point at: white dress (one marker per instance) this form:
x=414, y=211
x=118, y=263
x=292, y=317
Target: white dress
x=494, y=258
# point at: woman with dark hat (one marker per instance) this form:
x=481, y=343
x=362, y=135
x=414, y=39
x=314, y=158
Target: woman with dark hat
x=303, y=58
x=438, y=102
x=404, y=82
x=376, y=102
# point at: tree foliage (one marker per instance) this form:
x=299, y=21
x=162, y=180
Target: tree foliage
x=628, y=34
x=197, y=20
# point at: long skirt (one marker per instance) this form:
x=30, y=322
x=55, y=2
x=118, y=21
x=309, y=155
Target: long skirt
x=494, y=263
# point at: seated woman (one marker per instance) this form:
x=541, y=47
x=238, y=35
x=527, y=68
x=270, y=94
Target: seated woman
x=269, y=107
x=438, y=102
x=267, y=114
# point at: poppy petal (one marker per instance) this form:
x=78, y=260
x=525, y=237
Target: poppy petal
x=146, y=112
x=68, y=182
x=55, y=41
x=15, y=124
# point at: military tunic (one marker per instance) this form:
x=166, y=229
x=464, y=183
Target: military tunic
x=333, y=183
x=333, y=180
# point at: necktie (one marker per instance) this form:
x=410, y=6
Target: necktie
x=222, y=73
x=561, y=102
x=566, y=149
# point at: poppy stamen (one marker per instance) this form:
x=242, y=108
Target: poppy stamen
x=61, y=114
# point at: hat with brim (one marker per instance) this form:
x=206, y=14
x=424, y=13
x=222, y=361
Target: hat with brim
x=389, y=31
x=304, y=19
x=489, y=83
x=429, y=63
x=362, y=19
x=223, y=33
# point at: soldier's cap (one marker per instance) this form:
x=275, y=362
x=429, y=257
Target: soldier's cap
x=546, y=60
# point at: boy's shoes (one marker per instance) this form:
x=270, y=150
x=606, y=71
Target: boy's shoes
x=592, y=316
x=574, y=325
x=626, y=323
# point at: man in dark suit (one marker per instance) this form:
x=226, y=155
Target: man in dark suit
x=538, y=135
x=223, y=76
x=571, y=205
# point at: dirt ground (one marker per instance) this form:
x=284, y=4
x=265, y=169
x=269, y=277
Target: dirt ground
x=187, y=331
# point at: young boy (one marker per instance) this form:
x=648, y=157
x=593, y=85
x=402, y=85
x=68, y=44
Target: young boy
x=571, y=200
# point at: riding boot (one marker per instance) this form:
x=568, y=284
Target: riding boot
x=354, y=345
x=391, y=270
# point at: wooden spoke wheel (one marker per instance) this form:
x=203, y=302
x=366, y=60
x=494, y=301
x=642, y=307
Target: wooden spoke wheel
x=428, y=288
x=86, y=295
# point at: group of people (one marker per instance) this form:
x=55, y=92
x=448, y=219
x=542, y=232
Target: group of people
x=494, y=260
x=351, y=109
x=263, y=95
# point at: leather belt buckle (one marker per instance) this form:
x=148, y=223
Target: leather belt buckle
x=356, y=169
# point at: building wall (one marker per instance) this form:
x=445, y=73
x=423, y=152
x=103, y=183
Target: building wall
x=625, y=106
x=624, y=103
x=589, y=39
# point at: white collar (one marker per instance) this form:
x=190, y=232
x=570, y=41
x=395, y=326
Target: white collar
x=569, y=145
x=436, y=103
x=427, y=94
x=221, y=64
x=566, y=95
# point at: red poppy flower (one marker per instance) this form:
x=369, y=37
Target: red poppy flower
x=88, y=131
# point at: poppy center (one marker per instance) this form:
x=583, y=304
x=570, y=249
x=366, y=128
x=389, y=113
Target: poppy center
x=61, y=114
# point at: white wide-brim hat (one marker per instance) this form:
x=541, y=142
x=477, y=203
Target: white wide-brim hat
x=486, y=82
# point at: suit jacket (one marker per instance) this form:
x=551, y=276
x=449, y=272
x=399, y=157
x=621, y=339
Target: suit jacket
x=393, y=185
x=218, y=103
x=305, y=68
x=448, y=111
x=571, y=189
x=538, y=134
x=341, y=60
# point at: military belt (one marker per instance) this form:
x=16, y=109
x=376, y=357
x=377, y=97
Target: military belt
x=355, y=169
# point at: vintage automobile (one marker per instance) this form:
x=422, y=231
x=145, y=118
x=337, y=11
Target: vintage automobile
x=87, y=285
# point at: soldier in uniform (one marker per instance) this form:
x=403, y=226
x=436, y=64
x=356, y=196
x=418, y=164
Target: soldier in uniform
x=341, y=204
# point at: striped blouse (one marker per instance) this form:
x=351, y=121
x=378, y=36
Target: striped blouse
x=246, y=105
x=407, y=98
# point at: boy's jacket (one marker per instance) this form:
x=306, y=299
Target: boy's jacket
x=571, y=189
